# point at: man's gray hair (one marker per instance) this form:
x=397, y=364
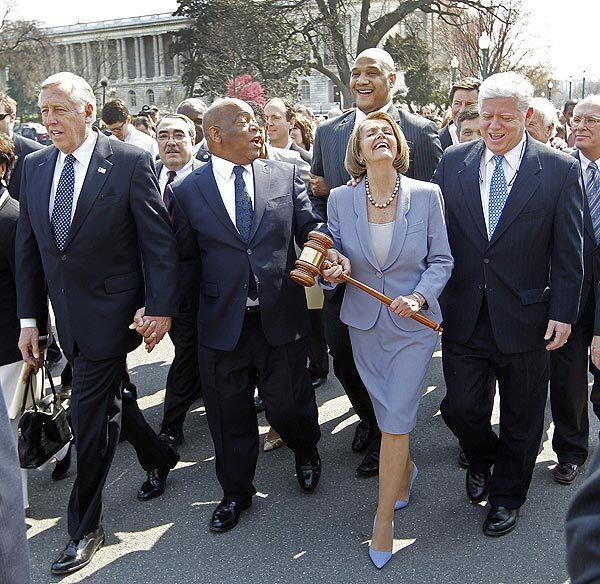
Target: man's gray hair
x=593, y=99
x=508, y=84
x=76, y=87
x=194, y=103
x=544, y=107
x=191, y=128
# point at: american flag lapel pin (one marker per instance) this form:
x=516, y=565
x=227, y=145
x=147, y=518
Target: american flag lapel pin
x=101, y=170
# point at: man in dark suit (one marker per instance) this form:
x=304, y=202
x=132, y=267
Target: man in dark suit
x=462, y=95
x=515, y=218
x=372, y=84
x=22, y=146
x=236, y=219
x=94, y=235
x=569, y=365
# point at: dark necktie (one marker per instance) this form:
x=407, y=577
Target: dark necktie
x=243, y=205
x=63, y=203
x=243, y=220
x=592, y=189
x=171, y=175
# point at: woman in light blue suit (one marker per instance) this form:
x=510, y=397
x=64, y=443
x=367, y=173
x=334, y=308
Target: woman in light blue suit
x=392, y=230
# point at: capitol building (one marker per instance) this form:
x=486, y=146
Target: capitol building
x=128, y=58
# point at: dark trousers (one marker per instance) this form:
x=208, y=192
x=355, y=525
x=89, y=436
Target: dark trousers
x=228, y=382
x=338, y=340
x=318, y=359
x=569, y=389
x=183, y=379
x=96, y=411
x=467, y=409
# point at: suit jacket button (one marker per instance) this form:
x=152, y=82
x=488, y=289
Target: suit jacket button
x=486, y=261
x=249, y=251
x=62, y=290
x=379, y=274
x=480, y=286
x=63, y=257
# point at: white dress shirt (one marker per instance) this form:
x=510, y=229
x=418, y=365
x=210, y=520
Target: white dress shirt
x=585, y=163
x=453, y=133
x=360, y=115
x=225, y=179
x=179, y=174
x=82, y=155
x=141, y=140
x=3, y=198
x=510, y=165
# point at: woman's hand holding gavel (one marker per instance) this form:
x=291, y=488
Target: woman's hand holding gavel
x=337, y=264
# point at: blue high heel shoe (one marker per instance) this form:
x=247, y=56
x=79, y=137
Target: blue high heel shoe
x=378, y=558
x=401, y=504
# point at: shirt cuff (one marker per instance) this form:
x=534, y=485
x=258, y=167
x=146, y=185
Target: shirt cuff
x=28, y=322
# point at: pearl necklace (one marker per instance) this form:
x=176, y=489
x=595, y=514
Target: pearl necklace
x=389, y=201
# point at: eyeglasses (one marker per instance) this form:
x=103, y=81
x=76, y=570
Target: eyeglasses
x=178, y=137
x=589, y=122
x=117, y=128
x=3, y=116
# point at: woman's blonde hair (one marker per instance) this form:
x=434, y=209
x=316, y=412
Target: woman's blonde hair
x=355, y=165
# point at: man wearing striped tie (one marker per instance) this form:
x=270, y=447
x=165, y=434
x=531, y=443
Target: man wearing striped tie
x=569, y=365
x=515, y=219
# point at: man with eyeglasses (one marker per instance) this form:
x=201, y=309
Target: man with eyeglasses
x=118, y=120
x=175, y=134
x=569, y=364
x=23, y=146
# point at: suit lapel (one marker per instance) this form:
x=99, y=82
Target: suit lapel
x=262, y=192
x=207, y=185
x=587, y=216
x=400, y=225
x=469, y=180
x=362, y=224
x=39, y=188
x=526, y=183
x=97, y=173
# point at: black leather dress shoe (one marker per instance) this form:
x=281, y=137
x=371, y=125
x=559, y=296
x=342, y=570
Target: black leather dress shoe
x=62, y=466
x=259, y=405
x=316, y=380
x=462, y=459
x=308, y=472
x=478, y=485
x=156, y=479
x=227, y=514
x=369, y=467
x=565, y=472
x=79, y=554
x=172, y=436
x=500, y=521
x=362, y=437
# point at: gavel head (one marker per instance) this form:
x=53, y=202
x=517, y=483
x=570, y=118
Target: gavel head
x=314, y=253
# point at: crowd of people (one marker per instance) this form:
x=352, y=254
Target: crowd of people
x=188, y=223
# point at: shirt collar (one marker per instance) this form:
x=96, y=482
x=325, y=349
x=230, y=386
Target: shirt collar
x=224, y=168
x=289, y=144
x=585, y=162
x=3, y=197
x=360, y=115
x=453, y=133
x=83, y=154
x=512, y=157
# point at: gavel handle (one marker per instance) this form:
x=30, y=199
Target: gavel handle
x=386, y=300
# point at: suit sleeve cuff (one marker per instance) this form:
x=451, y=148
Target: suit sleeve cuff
x=28, y=322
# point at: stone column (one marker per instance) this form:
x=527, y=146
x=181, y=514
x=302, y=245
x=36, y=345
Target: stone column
x=155, y=55
x=136, y=50
x=143, y=56
x=124, y=62
x=161, y=55
x=176, y=65
x=69, y=57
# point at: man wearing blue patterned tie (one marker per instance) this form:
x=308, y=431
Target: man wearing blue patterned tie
x=569, y=365
x=514, y=208
x=94, y=236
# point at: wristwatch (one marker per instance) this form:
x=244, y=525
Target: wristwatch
x=420, y=299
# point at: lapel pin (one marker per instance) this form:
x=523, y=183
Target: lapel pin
x=101, y=169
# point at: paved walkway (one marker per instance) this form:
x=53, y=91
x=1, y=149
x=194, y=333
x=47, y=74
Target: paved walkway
x=288, y=537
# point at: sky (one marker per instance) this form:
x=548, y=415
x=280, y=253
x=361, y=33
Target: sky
x=568, y=49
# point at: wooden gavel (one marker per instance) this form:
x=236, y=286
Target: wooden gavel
x=313, y=259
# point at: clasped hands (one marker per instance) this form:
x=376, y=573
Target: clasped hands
x=152, y=328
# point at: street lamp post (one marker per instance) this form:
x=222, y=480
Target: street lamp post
x=103, y=83
x=583, y=86
x=484, y=45
x=570, y=86
x=454, y=68
x=550, y=85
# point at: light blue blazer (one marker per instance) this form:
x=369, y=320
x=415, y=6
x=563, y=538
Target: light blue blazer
x=419, y=259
